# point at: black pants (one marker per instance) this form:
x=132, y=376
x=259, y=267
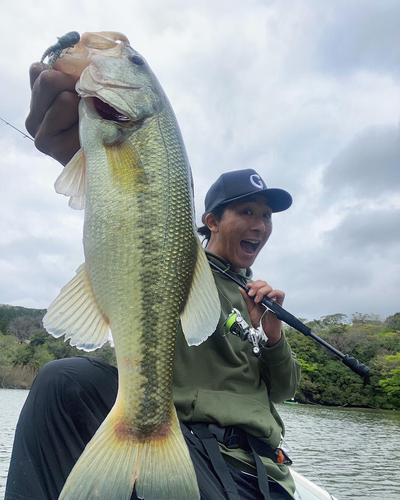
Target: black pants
x=68, y=401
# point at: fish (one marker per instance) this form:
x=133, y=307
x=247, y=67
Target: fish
x=144, y=271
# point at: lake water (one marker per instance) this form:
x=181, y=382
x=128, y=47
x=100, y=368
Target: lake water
x=11, y=402
x=354, y=453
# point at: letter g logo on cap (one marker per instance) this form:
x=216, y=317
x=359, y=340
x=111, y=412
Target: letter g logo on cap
x=255, y=179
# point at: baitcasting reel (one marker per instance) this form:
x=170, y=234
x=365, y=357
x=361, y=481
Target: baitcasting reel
x=239, y=327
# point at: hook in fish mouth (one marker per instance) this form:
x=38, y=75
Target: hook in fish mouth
x=107, y=112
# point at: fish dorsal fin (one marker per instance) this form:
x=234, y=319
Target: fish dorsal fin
x=72, y=181
x=76, y=314
x=202, y=311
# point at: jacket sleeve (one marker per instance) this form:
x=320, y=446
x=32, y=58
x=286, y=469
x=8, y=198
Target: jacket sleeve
x=280, y=370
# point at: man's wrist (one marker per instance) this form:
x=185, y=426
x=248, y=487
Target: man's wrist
x=273, y=340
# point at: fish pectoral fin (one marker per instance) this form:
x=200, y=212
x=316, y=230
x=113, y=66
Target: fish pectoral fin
x=202, y=311
x=72, y=181
x=76, y=314
x=115, y=460
x=126, y=165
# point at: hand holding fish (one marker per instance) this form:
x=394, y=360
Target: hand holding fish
x=53, y=116
x=271, y=324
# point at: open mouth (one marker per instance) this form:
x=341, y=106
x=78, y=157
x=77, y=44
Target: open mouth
x=249, y=246
x=107, y=112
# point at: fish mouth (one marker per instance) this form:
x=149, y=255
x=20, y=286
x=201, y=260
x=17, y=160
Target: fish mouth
x=250, y=246
x=107, y=112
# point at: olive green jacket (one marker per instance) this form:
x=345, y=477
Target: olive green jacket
x=221, y=381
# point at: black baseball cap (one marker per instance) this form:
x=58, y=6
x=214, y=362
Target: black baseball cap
x=238, y=184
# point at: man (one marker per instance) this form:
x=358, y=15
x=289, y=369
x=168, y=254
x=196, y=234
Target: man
x=223, y=393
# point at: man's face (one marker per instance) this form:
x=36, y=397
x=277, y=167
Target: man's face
x=243, y=230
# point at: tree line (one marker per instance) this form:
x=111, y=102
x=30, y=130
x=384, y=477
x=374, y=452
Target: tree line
x=326, y=380
x=25, y=347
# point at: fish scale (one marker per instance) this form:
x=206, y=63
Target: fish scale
x=155, y=378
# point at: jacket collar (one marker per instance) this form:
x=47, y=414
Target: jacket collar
x=244, y=274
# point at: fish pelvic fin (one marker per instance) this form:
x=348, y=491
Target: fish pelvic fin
x=114, y=462
x=202, y=311
x=76, y=314
x=72, y=181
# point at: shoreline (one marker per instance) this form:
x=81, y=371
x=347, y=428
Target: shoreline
x=295, y=403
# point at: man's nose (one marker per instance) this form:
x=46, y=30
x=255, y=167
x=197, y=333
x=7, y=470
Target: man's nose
x=258, y=225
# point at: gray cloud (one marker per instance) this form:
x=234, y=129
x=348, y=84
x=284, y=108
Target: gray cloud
x=279, y=86
x=363, y=231
x=361, y=37
x=369, y=165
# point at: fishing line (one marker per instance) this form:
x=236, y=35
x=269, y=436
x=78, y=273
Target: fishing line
x=17, y=129
x=314, y=471
x=320, y=480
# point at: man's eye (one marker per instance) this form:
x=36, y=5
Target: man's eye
x=268, y=216
x=247, y=212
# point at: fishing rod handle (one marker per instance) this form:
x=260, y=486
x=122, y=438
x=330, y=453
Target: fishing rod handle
x=285, y=316
x=353, y=363
x=356, y=366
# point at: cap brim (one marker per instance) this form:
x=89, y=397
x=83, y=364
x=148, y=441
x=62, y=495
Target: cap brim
x=278, y=199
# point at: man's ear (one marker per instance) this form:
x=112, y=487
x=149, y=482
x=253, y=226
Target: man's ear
x=212, y=223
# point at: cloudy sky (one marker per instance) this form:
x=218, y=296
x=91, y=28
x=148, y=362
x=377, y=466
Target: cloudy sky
x=306, y=92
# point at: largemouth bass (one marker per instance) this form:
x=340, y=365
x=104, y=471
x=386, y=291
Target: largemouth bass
x=144, y=270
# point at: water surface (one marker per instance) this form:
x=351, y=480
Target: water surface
x=355, y=453
x=11, y=402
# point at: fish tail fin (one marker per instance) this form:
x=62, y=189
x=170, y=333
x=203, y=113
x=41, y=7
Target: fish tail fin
x=166, y=470
x=111, y=465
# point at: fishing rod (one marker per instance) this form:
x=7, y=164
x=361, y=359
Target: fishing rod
x=17, y=129
x=353, y=363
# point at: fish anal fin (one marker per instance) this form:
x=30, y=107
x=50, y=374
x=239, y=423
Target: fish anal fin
x=126, y=165
x=72, y=181
x=113, y=463
x=202, y=311
x=76, y=314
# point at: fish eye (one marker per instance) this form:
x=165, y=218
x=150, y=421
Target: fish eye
x=137, y=60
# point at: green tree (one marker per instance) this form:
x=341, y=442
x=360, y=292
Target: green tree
x=325, y=380
x=40, y=357
x=393, y=322
x=8, y=313
x=391, y=384
x=22, y=327
x=335, y=319
x=372, y=319
x=8, y=346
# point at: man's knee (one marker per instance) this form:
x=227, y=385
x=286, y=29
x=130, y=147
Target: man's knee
x=86, y=372
x=75, y=382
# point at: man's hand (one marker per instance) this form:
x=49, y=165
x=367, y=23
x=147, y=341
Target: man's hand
x=53, y=117
x=270, y=323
